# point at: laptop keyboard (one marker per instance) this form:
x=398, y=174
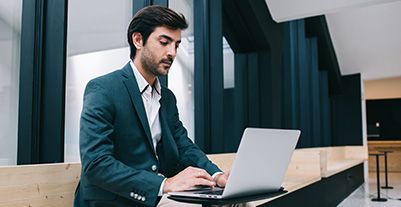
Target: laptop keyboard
x=213, y=192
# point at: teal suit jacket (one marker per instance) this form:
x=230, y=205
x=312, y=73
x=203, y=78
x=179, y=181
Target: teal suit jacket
x=118, y=160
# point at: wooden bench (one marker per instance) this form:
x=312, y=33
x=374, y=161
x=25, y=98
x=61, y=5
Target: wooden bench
x=303, y=170
x=338, y=159
x=310, y=165
x=54, y=184
x=44, y=185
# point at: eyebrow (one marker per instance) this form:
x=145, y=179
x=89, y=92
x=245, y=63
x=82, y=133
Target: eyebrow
x=169, y=38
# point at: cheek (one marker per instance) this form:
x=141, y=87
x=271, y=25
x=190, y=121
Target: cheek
x=151, y=53
x=158, y=54
x=156, y=51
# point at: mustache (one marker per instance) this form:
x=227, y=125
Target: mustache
x=168, y=60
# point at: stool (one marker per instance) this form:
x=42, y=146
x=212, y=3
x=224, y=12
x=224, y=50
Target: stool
x=378, y=177
x=385, y=168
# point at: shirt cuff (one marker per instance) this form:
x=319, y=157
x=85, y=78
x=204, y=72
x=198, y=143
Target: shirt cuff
x=161, y=187
x=215, y=174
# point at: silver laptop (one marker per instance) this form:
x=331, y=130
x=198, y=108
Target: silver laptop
x=259, y=166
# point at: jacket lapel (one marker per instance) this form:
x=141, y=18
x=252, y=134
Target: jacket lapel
x=170, y=151
x=167, y=137
x=133, y=90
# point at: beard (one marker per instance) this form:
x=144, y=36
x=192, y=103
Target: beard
x=151, y=64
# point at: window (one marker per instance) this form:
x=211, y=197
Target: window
x=228, y=63
x=181, y=75
x=10, y=36
x=96, y=45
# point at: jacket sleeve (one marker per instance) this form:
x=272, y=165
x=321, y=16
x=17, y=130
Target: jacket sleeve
x=190, y=153
x=99, y=165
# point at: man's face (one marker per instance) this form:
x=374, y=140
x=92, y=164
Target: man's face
x=160, y=50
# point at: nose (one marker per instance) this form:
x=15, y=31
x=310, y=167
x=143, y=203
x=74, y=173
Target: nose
x=172, y=51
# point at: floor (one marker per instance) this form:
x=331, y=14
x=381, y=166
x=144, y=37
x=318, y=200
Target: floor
x=362, y=196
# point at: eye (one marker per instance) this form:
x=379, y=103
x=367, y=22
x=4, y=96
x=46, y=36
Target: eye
x=164, y=43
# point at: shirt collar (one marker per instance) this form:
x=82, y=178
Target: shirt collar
x=142, y=83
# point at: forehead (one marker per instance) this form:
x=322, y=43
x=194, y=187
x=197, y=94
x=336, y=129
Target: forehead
x=161, y=31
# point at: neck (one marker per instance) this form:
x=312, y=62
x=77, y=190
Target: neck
x=149, y=77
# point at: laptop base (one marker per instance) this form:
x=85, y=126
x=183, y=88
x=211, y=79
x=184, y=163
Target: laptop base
x=210, y=202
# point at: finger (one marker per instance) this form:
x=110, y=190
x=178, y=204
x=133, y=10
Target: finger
x=203, y=174
x=207, y=175
x=204, y=182
x=227, y=173
x=199, y=172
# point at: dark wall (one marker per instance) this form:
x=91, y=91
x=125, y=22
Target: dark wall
x=387, y=113
x=346, y=110
x=305, y=87
x=325, y=113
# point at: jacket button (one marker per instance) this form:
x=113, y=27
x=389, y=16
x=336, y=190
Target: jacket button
x=143, y=199
x=154, y=168
x=131, y=194
x=139, y=197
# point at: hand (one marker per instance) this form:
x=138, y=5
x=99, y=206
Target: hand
x=221, y=179
x=187, y=179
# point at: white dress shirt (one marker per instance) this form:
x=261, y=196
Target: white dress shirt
x=151, y=96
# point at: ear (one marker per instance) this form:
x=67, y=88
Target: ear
x=137, y=40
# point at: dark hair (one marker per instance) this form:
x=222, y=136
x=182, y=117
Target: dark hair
x=147, y=19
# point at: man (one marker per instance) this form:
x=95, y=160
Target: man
x=133, y=146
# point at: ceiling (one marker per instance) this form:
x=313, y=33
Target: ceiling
x=365, y=33
x=368, y=40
